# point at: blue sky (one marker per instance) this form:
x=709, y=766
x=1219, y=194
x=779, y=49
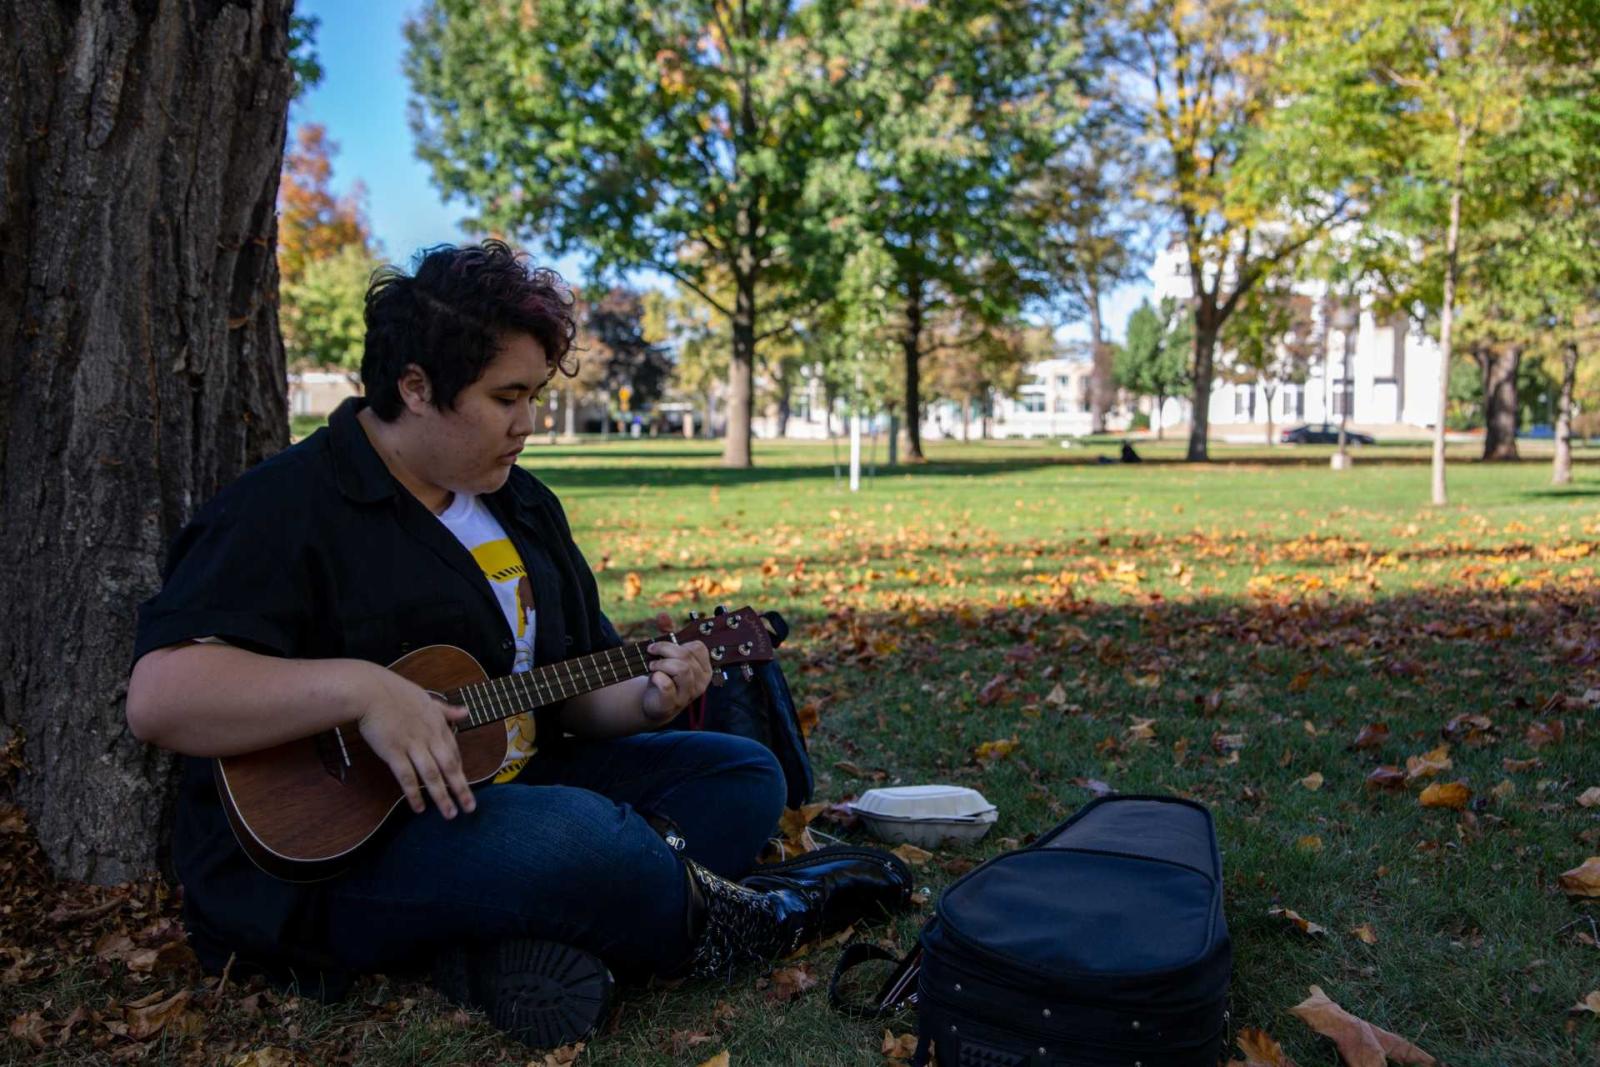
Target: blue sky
x=362, y=102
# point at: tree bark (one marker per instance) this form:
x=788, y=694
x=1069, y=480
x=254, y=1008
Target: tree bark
x=741, y=374
x=1268, y=393
x=1205, y=348
x=142, y=368
x=1561, y=472
x=1102, y=388
x=911, y=344
x=1500, y=363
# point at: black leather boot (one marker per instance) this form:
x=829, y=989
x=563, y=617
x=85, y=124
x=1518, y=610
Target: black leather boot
x=774, y=911
x=543, y=994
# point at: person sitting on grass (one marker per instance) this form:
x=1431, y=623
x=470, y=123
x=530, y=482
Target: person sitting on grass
x=601, y=845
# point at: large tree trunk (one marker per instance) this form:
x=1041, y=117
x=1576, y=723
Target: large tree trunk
x=1561, y=472
x=1205, y=348
x=741, y=373
x=1500, y=363
x=142, y=366
x=911, y=344
x=1102, y=387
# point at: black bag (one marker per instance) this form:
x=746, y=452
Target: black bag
x=761, y=708
x=1102, y=943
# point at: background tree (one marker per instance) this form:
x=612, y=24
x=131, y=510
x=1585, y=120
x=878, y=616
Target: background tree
x=1247, y=191
x=991, y=360
x=1153, y=359
x=1092, y=227
x=688, y=329
x=143, y=372
x=614, y=332
x=1415, y=95
x=962, y=106
x=1271, y=340
x=681, y=139
x=326, y=256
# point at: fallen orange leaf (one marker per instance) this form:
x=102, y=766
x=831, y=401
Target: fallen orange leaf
x=1260, y=1050
x=1386, y=777
x=1589, y=1003
x=1306, y=925
x=899, y=1049
x=1365, y=934
x=1428, y=764
x=1583, y=880
x=1540, y=734
x=1452, y=795
x=993, y=750
x=1360, y=1043
x=912, y=854
x=1373, y=735
x=1312, y=781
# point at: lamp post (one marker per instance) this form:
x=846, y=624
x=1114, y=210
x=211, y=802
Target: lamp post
x=1345, y=320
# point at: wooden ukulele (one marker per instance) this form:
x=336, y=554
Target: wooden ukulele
x=302, y=809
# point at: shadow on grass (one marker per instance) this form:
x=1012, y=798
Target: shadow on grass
x=1241, y=701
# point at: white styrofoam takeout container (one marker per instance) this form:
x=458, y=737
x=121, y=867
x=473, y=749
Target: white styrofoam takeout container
x=925, y=815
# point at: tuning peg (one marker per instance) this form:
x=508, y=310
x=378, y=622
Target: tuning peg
x=719, y=678
x=722, y=609
x=694, y=616
x=748, y=671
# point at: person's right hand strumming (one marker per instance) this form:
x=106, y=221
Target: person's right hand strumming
x=410, y=730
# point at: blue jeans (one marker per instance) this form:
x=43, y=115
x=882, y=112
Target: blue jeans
x=563, y=853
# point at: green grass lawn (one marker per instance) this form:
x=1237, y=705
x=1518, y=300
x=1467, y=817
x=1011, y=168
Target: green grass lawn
x=1221, y=632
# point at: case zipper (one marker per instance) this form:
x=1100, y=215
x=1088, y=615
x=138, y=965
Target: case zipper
x=1034, y=1033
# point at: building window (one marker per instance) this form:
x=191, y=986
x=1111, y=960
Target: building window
x=1343, y=399
x=1033, y=403
x=1084, y=398
x=1063, y=382
x=1180, y=268
x=1241, y=401
x=1062, y=405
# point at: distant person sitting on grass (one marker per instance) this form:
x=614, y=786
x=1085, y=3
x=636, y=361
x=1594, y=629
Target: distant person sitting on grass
x=600, y=844
x=1128, y=454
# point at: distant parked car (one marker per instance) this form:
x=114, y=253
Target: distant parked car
x=1326, y=434
x=1539, y=431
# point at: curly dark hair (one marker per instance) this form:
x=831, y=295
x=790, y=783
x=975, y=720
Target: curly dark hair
x=449, y=315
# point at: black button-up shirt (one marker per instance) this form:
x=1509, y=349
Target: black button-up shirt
x=319, y=552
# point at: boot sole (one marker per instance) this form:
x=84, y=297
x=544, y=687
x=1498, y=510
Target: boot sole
x=542, y=993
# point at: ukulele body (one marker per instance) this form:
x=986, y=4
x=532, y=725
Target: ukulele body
x=302, y=810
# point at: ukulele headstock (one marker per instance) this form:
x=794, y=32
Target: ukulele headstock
x=732, y=638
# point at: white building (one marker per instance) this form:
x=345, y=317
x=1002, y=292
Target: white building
x=1055, y=402
x=1392, y=379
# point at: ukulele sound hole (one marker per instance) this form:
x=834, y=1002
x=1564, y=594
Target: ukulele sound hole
x=332, y=752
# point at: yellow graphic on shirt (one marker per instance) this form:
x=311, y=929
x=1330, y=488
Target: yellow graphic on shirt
x=500, y=564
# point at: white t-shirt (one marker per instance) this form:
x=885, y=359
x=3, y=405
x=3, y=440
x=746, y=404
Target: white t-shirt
x=470, y=520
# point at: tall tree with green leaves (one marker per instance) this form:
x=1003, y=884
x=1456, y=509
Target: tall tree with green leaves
x=679, y=137
x=1153, y=359
x=1245, y=190
x=962, y=105
x=1416, y=92
x=1534, y=257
